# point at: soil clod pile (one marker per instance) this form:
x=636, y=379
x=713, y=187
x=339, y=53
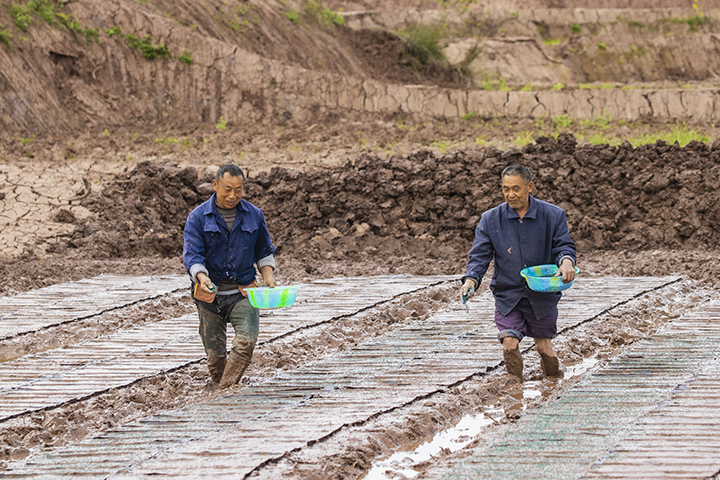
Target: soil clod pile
x=427, y=205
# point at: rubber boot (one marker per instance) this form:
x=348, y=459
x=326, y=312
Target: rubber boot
x=216, y=366
x=513, y=362
x=238, y=361
x=550, y=365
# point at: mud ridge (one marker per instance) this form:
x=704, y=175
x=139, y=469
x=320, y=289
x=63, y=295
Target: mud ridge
x=426, y=205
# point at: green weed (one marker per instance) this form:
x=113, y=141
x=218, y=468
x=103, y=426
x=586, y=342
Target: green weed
x=469, y=116
x=576, y=29
x=44, y=9
x=602, y=46
x=21, y=16
x=221, y=124
x=481, y=140
x=324, y=17
x=524, y=138
x=637, y=24
x=106, y=132
x=166, y=140
x=441, y=146
x=557, y=86
x=5, y=38
x=26, y=140
x=553, y=41
x=292, y=15
x=149, y=51
x=562, y=121
x=527, y=88
x=112, y=31
x=186, y=58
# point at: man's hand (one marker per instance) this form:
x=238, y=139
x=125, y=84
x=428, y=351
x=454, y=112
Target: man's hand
x=205, y=283
x=268, y=276
x=467, y=290
x=567, y=270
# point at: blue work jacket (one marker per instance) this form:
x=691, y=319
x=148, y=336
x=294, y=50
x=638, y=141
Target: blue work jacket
x=227, y=256
x=541, y=237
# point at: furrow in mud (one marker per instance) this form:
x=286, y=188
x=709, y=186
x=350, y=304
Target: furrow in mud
x=51, y=378
x=289, y=410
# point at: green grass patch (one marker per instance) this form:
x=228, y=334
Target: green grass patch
x=221, y=124
x=557, y=86
x=553, y=41
x=469, y=116
x=680, y=133
x=591, y=86
x=45, y=9
x=524, y=138
x=576, y=29
x=527, y=88
x=602, y=46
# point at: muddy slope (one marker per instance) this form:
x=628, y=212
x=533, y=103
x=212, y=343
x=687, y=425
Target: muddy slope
x=426, y=205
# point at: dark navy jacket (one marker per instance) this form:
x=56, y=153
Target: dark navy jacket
x=542, y=237
x=227, y=256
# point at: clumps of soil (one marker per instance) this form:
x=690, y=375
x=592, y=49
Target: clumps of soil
x=425, y=205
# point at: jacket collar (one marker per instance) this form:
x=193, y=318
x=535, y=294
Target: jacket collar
x=210, y=207
x=531, y=213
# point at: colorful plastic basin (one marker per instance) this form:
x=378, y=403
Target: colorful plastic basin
x=541, y=278
x=276, y=297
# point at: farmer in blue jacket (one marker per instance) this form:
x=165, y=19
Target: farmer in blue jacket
x=520, y=233
x=225, y=238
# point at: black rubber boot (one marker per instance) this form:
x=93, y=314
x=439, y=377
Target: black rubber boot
x=513, y=362
x=550, y=365
x=237, y=362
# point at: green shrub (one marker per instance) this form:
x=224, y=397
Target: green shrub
x=423, y=44
x=186, y=58
x=576, y=29
x=562, y=121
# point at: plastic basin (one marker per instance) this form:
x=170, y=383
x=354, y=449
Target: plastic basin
x=541, y=278
x=276, y=297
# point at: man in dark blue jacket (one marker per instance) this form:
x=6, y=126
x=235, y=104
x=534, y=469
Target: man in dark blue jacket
x=520, y=233
x=225, y=238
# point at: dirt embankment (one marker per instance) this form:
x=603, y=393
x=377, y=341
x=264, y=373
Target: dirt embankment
x=425, y=206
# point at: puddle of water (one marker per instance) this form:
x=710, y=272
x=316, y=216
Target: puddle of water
x=452, y=439
x=467, y=429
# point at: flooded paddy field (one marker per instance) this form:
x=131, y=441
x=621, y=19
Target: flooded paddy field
x=377, y=370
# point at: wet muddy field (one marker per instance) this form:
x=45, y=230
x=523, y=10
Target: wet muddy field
x=377, y=371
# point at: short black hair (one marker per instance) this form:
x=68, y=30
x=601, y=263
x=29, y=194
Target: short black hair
x=517, y=170
x=230, y=168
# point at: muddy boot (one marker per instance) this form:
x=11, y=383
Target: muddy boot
x=514, y=362
x=216, y=366
x=550, y=365
x=236, y=365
